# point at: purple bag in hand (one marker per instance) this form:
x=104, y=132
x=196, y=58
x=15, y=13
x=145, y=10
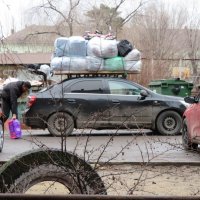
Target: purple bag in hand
x=15, y=129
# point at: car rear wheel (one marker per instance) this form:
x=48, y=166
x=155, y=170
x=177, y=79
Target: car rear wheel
x=169, y=123
x=60, y=124
x=186, y=141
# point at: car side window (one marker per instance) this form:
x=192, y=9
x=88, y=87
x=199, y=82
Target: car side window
x=119, y=87
x=87, y=86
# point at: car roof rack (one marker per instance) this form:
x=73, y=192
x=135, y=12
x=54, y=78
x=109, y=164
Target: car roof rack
x=86, y=74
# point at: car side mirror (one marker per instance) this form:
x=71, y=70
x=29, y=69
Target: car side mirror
x=191, y=100
x=143, y=94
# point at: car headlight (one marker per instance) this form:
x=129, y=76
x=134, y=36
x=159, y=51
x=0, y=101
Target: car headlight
x=185, y=104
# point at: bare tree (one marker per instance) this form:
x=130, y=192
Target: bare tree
x=156, y=33
x=106, y=17
x=61, y=14
x=192, y=43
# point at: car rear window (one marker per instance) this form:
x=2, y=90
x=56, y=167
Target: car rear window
x=87, y=86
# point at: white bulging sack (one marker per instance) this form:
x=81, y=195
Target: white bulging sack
x=134, y=55
x=102, y=48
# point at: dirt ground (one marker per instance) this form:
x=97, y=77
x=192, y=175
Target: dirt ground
x=140, y=180
x=155, y=180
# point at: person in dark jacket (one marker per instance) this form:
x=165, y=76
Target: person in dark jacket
x=11, y=92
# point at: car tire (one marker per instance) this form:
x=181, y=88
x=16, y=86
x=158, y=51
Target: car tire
x=186, y=141
x=75, y=184
x=60, y=124
x=169, y=123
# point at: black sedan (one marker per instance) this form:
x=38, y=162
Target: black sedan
x=103, y=103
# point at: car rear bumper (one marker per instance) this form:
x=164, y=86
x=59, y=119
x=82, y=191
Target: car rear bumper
x=33, y=121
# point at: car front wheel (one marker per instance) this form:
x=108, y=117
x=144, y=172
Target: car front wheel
x=186, y=141
x=169, y=123
x=60, y=124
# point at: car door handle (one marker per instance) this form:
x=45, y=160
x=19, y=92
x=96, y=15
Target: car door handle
x=115, y=101
x=71, y=100
x=156, y=103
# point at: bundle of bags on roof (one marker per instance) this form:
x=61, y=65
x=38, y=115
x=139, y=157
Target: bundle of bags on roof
x=95, y=55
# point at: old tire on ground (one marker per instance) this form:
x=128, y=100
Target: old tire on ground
x=30, y=168
x=60, y=124
x=169, y=123
x=47, y=172
x=186, y=142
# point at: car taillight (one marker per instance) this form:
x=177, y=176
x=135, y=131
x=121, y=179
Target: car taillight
x=31, y=101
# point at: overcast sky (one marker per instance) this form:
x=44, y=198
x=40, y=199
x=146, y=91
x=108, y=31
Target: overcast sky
x=12, y=11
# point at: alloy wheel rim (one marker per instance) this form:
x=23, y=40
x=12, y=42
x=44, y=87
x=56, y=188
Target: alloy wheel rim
x=169, y=123
x=60, y=123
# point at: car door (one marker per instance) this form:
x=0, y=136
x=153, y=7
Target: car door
x=89, y=103
x=193, y=120
x=126, y=104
